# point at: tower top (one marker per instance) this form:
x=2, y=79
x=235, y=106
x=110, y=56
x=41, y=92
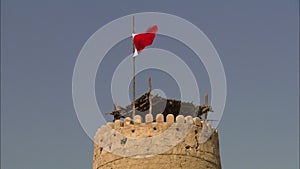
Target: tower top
x=181, y=142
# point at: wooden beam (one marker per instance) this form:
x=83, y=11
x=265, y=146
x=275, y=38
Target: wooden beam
x=149, y=84
x=206, y=103
x=115, y=107
x=150, y=96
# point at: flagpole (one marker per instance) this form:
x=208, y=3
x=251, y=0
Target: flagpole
x=133, y=71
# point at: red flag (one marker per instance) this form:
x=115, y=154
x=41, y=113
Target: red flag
x=143, y=40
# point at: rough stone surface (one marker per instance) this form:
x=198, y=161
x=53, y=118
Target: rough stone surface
x=199, y=148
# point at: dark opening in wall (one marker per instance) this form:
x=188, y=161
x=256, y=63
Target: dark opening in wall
x=187, y=147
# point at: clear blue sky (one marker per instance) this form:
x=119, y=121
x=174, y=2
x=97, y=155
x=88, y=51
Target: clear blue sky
x=257, y=40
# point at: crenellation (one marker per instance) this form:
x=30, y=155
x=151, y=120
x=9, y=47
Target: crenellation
x=127, y=121
x=159, y=118
x=180, y=119
x=118, y=124
x=170, y=119
x=138, y=127
x=149, y=118
x=197, y=121
x=189, y=120
x=137, y=119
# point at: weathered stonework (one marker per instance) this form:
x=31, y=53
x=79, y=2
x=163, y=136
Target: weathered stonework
x=197, y=149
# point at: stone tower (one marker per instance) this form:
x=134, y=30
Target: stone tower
x=184, y=142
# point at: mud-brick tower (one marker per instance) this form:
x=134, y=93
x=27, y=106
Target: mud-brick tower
x=134, y=144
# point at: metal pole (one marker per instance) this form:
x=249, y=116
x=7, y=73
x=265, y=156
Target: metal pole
x=133, y=71
x=206, y=103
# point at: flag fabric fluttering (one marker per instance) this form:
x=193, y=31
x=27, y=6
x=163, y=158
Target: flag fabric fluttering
x=143, y=40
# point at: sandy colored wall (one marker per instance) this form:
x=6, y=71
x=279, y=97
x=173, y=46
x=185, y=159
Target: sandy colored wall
x=190, y=152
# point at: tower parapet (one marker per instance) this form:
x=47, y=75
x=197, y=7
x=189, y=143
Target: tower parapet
x=184, y=142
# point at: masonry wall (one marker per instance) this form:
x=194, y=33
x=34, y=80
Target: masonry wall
x=194, y=150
